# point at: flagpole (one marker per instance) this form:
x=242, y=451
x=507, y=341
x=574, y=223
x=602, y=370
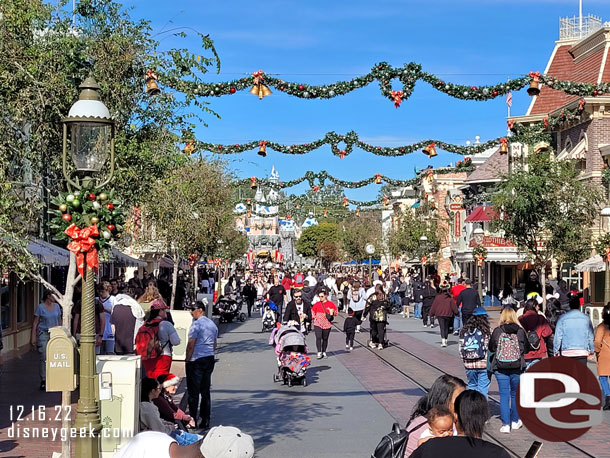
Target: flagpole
x=508, y=132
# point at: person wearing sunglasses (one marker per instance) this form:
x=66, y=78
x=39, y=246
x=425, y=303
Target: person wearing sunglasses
x=323, y=313
x=299, y=311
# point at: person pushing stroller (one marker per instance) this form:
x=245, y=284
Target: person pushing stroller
x=291, y=351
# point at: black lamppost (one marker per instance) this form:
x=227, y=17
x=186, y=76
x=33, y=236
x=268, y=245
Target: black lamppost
x=89, y=131
x=605, y=226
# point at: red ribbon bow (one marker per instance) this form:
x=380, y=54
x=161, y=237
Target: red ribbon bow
x=151, y=75
x=258, y=76
x=608, y=254
x=262, y=143
x=581, y=104
x=546, y=121
x=480, y=259
x=510, y=124
x=397, y=96
x=83, y=244
x=535, y=75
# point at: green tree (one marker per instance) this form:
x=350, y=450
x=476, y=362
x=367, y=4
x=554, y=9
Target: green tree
x=189, y=211
x=234, y=244
x=548, y=212
x=309, y=244
x=412, y=225
x=358, y=231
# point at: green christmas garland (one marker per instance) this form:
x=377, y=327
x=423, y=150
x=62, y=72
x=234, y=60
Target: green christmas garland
x=408, y=75
x=85, y=208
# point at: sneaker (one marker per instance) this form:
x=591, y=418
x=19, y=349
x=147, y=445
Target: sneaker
x=455, y=333
x=444, y=343
x=351, y=348
x=347, y=347
x=505, y=429
x=380, y=347
x=324, y=355
x=516, y=424
x=319, y=356
x=431, y=326
x=425, y=325
x=372, y=344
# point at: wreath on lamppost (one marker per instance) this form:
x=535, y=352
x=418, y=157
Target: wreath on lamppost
x=97, y=210
x=479, y=253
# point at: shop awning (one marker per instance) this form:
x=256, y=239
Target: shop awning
x=49, y=254
x=120, y=258
x=579, y=152
x=593, y=264
x=482, y=214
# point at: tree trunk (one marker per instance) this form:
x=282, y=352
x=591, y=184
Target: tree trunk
x=543, y=286
x=196, y=280
x=176, y=259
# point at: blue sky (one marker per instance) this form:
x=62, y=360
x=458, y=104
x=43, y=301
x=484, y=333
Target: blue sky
x=467, y=41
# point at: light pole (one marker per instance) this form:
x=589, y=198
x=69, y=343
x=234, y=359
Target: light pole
x=90, y=132
x=423, y=241
x=478, y=236
x=370, y=250
x=605, y=220
x=322, y=258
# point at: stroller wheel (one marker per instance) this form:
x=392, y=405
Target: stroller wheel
x=242, y=317
x=275, y=378
x=304, y=381
x=289, y=381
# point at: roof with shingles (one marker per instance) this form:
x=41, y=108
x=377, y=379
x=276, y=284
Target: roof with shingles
x=491, y=170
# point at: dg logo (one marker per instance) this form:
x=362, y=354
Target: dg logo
x=559, y=399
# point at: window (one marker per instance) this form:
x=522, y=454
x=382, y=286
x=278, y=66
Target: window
x=24, y=299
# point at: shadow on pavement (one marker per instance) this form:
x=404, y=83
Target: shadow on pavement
x=246, y=345
x=313, y=373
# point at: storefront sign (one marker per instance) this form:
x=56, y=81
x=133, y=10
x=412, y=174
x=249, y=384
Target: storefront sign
x=492, y=242
x=457, y=224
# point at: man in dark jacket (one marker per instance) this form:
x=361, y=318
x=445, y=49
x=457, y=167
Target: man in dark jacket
x=418, y=287
x=308, y=292
x=249, y=293
x=299, y=310
x=469, y=300
x=427, y=295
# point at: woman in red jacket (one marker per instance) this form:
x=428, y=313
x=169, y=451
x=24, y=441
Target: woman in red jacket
x=323, y=312
x=538, y=330
x=444, y=309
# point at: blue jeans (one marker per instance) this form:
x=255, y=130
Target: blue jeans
x=457, y=322
x=507, y=385
x=417, y=310
x=603, y=381
x=395, y=298
x=43, y=340
x=478, y=380
x=198, y=383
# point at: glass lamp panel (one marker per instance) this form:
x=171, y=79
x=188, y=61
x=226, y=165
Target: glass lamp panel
x=90, y=142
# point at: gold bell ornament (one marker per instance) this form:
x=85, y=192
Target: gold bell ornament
x=534, y=88
x=262, y=148
x=357, y=212
x=503, y=146
x=345, y=202
x=260, y=90
x=189, y=148
x=378, y=178
x=253, y=182
x=386, y=201
x=325, y=213
x=152, y=88
x=430, y=150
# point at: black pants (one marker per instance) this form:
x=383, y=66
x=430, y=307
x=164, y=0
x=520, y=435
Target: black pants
x=321, y=338
x=443, y=322
x=250, y=305
x=465, y=316
x=358, y=315
x=349, y=338
x=198, y=382
x=425, y=311
x=278, y=314
x=378, y=331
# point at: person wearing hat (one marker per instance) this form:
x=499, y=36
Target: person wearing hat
x=168, y=337
x=168, y=410
x=220, y=442
x=200, y=363
x=473, y=346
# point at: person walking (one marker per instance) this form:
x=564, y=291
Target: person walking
x=250, y=294
x=299, y=311
x=574, y=334
x=427, y=295
x=106, y=300
x=167, y=337
x=200, y=361
x=473, y=346
x=455, y=292
x=127, y=317
x=46, y=316
x=323, y=313
x=416, y=293
x=538, y=331
x=377, y=308
x=509, y=344
x=349, y=328
x=468, y=300
x=602, y=353
x=276, y=295
x=357, y=302
x=444, y=309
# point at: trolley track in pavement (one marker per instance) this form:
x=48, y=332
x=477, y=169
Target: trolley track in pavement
x=501, y=442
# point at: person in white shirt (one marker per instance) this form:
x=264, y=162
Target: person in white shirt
x=311, y=279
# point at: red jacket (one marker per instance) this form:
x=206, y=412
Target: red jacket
x=532, y=321
x=287, y=283
x=457, y=289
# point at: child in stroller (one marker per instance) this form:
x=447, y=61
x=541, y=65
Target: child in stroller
x=269, y=316
x=291, y=352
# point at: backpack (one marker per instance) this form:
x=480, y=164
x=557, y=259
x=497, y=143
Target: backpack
x=473, y=348
x=534, y=340
x=392, y=445
x=148, y=345
x=508, y=353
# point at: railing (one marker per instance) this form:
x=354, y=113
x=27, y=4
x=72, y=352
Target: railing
x=570, y=28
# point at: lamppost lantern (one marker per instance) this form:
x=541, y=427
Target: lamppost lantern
x=605, y=214
x=478, y=234
x=423, y=238
x=89, y=131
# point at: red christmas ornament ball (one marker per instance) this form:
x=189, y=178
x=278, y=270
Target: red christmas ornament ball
x=474, y=88
x=495, y=93
x=301, y=87
x=109, y=206
x=232, y=90
x=91, y=196
x=110, y=227
x=595, y=93
x=66, y=217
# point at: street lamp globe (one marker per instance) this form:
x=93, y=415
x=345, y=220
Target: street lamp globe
x=478, y=231
x=423, y=238
x=90, y=130
x=605, y=214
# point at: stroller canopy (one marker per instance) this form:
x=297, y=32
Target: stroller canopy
x=289, y=336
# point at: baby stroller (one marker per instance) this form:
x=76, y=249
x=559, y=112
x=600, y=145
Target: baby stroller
x=269, y=316
x=292, y=356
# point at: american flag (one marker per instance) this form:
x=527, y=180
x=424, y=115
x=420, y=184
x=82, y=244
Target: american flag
x=509, y=99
